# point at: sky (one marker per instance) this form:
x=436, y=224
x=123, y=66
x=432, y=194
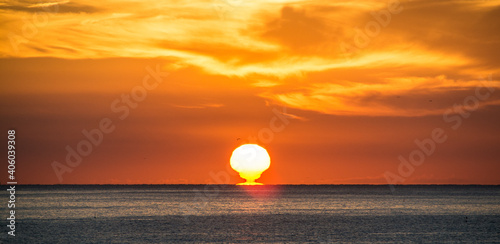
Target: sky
x=338, y=92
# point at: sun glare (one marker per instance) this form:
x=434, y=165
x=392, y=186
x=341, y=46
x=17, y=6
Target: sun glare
x=250, y=160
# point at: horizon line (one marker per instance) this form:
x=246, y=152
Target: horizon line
x=424, y=184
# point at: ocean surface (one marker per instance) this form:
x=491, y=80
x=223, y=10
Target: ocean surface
x=238, y=214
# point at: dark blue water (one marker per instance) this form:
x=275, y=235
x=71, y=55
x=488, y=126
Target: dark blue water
x=226, y=213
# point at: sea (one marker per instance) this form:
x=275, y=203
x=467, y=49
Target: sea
x=262, y=214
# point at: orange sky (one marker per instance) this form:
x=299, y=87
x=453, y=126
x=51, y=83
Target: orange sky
x=336, y=91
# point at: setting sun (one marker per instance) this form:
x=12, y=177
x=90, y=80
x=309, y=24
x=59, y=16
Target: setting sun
x=250, y=160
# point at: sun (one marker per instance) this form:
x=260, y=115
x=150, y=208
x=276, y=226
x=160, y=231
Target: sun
x=250, y=160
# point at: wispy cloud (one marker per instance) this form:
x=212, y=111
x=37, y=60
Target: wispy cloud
x=47, y=4
x=402, y=96
x=200, y=106
x=61, y=7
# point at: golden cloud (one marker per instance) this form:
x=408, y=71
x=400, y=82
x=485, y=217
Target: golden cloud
x=347, y=57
